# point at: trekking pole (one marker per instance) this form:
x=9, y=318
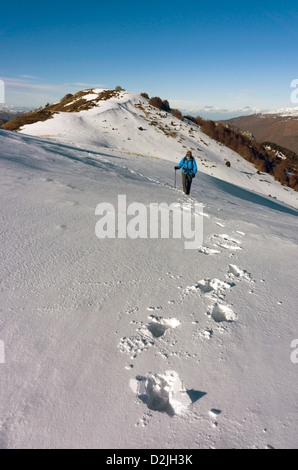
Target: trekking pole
x=175, y=180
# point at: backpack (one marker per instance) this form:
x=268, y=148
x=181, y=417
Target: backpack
x=184, y=160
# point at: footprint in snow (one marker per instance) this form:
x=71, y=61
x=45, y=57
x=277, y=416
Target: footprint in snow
x=222, y=313
x=237, y=272
x=214, y=413
x=146, y=335
x=158, y=326
x=207, y=333
x=213, y=285
x=165, y=393
x=135, y=344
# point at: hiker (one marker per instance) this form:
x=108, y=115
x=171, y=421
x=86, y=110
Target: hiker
x=189, y=169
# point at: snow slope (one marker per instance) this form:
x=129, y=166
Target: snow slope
x=139, y=343
x=116, y=123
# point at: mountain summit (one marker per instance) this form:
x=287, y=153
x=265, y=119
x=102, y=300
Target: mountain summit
x=108, y=118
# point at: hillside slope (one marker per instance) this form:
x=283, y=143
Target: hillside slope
x=280, y=127
x=121, y=120
x=139, y=343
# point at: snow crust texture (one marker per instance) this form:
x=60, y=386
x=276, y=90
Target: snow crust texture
x=139, y=343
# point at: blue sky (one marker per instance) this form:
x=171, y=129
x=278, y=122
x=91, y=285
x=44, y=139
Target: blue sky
x=216, y=58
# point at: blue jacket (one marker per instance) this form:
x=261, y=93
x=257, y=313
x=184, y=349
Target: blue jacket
x=188, y=166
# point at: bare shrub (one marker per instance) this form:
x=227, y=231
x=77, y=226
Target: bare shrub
x=177, y=114
x=156, y=102
x=66, y=97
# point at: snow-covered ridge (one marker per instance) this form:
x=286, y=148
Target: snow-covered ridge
x=126, y=121
x=285, y=112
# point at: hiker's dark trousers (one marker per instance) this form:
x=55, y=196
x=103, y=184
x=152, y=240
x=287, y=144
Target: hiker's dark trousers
x=186, y=183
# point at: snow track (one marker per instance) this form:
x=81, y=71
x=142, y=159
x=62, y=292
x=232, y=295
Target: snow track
x=114, y=343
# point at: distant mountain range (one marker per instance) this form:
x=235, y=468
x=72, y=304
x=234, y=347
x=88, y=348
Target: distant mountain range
x=7, y=113
x=280, y=127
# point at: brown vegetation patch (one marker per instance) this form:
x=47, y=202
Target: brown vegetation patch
x=29, y=118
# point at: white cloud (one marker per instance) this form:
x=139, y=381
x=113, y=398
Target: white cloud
x=25, y=90
x=31, y=77
x=24, y=84
x=212, y=112
x=89, y=85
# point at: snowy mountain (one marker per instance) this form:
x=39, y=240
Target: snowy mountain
x=126, y=121
x=284, y=112
x=6, y=113
x=139, y=343
x=15, y=109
